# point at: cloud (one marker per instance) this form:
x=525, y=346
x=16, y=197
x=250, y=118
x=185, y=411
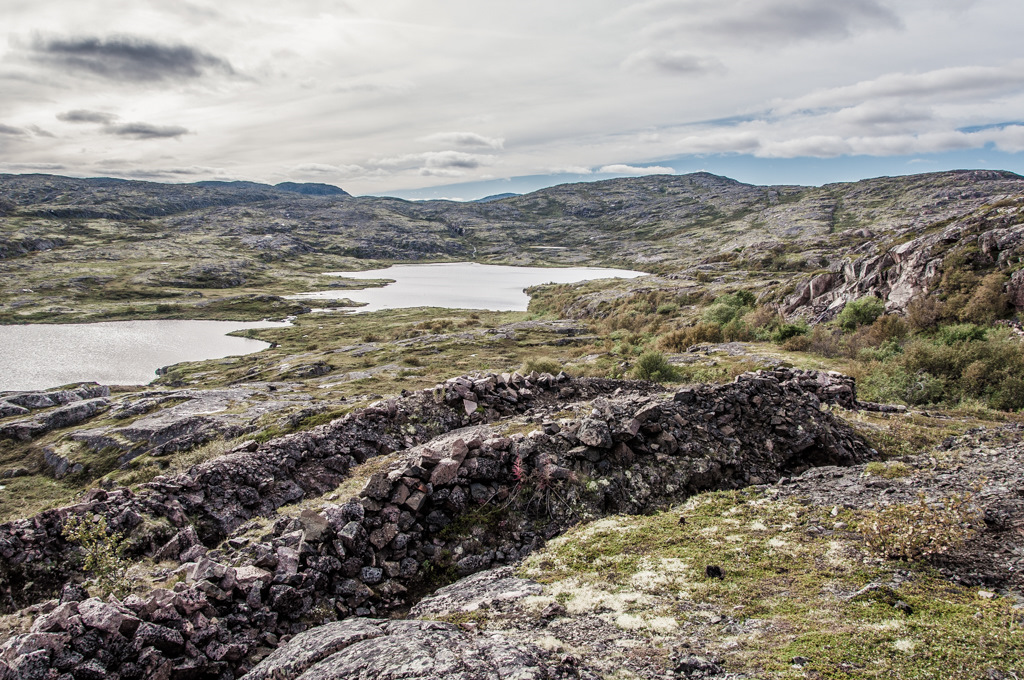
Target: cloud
x=326, y=169
x=456, y=159
x=31, y=167
x=634, y=170
x=11, y=131
x=436, y=160
x=40, y=132
x=671, y=61
x=940, y=83
x=146, y=131
x=86, y=116
x=801, y=19
x=466, y=139
x=126, y=58
x=760, y=21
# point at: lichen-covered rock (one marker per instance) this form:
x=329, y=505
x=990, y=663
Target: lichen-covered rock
x=484, y=589
x=362, y=649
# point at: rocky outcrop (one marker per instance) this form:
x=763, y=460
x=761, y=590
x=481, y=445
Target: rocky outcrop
x=50, y=398
x=389, y=650
x=903, y=272
x=422, y=519
x=64, y=416
x=256, y=479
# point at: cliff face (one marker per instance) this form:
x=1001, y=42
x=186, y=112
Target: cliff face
x=992, y=237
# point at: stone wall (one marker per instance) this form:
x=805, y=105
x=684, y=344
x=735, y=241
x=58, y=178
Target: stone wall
x=458, y=504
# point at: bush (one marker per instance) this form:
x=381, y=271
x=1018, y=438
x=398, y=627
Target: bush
x=963, y=332
x=729, y=307
x=860, y=312
x=103, y=551
x=919, y=531
x=797, y=343
x=785, y=331
x=684, y=338
x=652, y=365
x=925, y=312
x=541, y=365
x=988, y=302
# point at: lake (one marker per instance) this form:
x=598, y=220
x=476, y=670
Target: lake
x=459, y=285
x=41, y=356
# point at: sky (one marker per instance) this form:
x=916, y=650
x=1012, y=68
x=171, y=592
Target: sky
x=461, y=99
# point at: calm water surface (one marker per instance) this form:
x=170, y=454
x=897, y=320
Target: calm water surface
x=459, y=285
x=40, y=356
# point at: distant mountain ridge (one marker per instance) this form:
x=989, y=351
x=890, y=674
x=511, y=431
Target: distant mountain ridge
x=700, y=225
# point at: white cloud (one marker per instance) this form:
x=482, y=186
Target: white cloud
x=632, y=170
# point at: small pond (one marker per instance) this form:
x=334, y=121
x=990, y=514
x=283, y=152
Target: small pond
x=41, y=356
x=458, y=285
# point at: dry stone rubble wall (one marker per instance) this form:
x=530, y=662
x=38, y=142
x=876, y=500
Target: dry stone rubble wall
x=426, y=517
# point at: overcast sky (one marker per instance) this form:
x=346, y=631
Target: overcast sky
x=380, y=96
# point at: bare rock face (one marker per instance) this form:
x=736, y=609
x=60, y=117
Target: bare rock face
x=482, y=590
x=64, y=416
x=900, y=273
x=373, y=649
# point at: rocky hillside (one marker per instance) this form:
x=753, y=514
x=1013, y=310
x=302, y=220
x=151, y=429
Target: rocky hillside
x=672, y=484
x=78, y=247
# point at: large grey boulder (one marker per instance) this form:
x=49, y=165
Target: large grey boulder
x=487, y=589
x=369, y=649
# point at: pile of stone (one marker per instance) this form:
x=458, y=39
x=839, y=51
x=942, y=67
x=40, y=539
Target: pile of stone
x=456, y=505
x=254, y=480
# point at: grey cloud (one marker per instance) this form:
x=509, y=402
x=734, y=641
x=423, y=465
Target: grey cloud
x=126, y=58
x=941, y=83
x=795, y=19
x=761, y=21
x=456, y=159
x=146, y=131
x=16, y=167
x=85, y=116
x=466, y=139
x=672, y=61
x=436, y=161
x=11, y=130
x=40, y=132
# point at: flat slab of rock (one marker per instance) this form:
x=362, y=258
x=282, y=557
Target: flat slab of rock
x=369, y=649
x=469, y=594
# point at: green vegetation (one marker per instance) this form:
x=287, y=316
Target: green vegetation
x=860, y=312
x=919, y=531
x=103, y=553
x=652, y=365
x=792, y=588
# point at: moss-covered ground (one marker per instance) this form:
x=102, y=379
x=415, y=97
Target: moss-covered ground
x=786, y=603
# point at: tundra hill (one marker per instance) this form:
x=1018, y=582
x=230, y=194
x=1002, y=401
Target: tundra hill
x=80, y=249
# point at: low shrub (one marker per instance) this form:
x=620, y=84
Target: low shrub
x=682, y=339
x=103, y=552
x=541, y=365
x=860, y=312
x=652, y=365
x=919, y=531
